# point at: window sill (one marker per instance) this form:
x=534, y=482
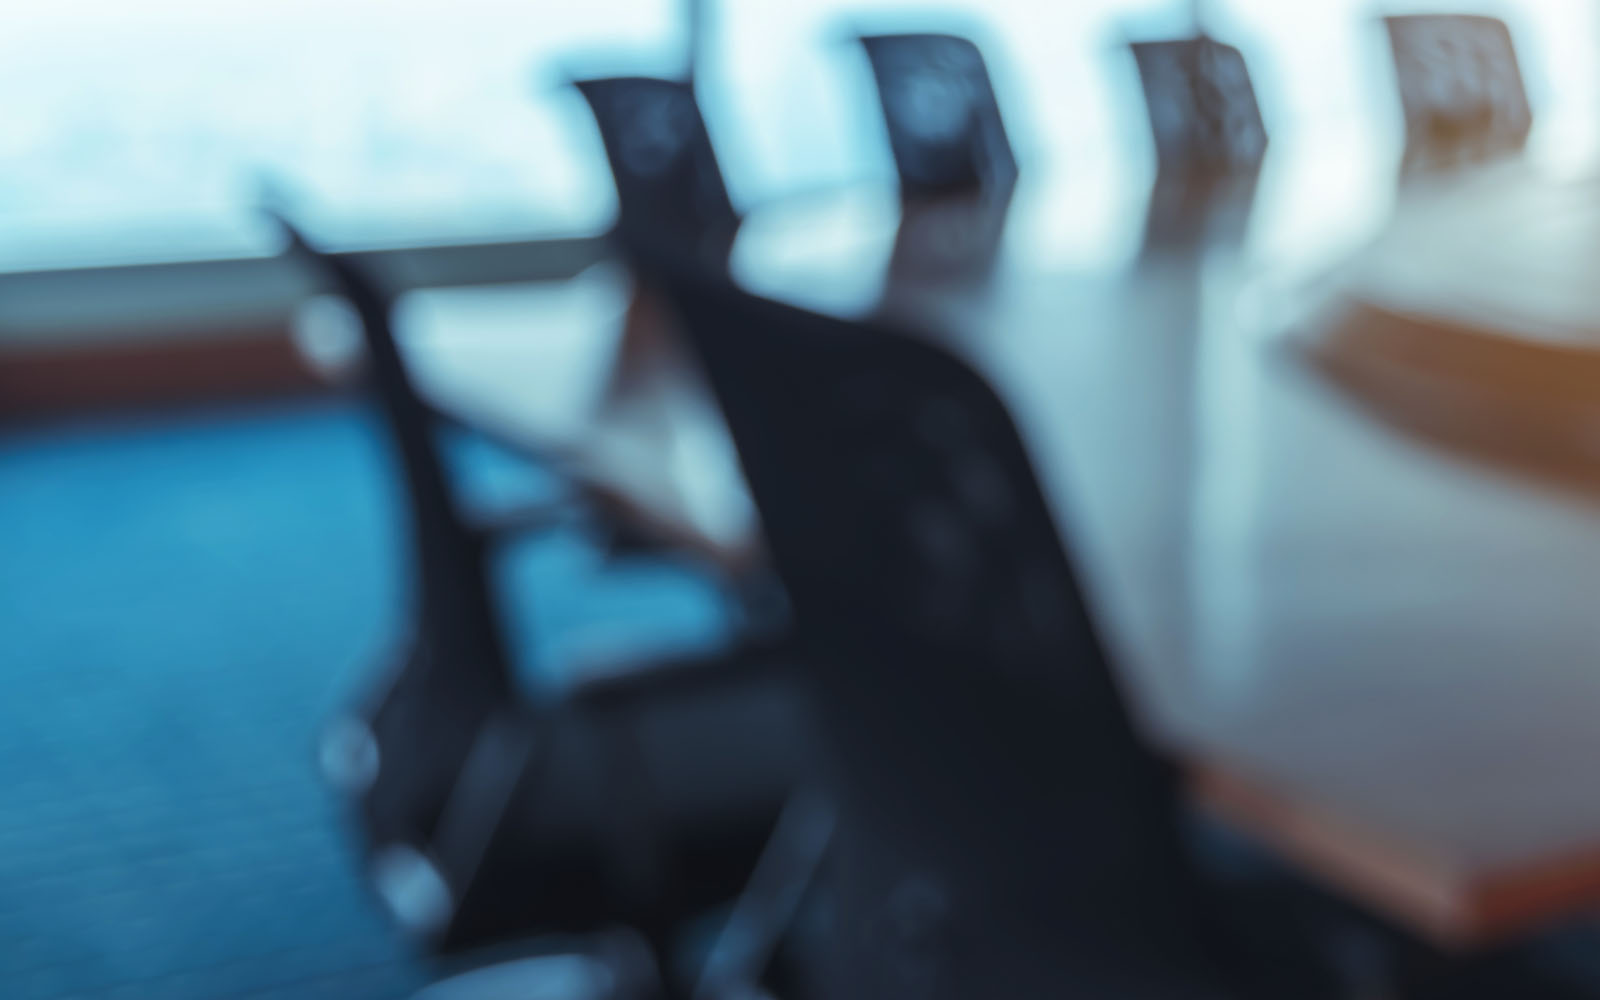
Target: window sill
x=149, y=334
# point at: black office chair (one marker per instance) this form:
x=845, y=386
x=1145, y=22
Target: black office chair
x=492, y=813
x=1006, y=830
x=670, y=189
x=944, y=122
x=1203, y=110
x=1460, y=88
x=458, y=675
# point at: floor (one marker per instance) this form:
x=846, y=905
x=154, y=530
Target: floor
x=185, y=598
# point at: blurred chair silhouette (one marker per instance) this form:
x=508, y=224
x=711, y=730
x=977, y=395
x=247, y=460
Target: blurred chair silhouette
x=944, y=122
x=669, y=187
x=1203, y=110
x=492, y=813
x=1460, y=88
x=1006, y=830
x=457, y=677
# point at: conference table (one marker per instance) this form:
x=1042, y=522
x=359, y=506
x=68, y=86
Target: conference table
x=1375, y=650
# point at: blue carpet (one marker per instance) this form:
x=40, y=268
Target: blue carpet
x=184, y=601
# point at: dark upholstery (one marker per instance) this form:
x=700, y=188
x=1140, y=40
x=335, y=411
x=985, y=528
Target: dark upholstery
x=1460, y=87
x=1203, y=110
x=1006, y=829
x=669, y=187
x=944, y=123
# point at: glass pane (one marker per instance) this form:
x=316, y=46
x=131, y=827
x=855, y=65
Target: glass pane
x=141, y=130
x=148, y=124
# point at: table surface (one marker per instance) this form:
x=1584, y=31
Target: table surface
x=1379, y=655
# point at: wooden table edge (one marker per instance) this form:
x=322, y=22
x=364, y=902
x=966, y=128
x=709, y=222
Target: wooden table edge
x=1423, y=891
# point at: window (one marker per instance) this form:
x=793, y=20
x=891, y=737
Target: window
x=142, y=129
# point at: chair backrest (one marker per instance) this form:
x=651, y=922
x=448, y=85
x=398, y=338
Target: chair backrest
x=669, y=186
x=944, y=123
x=986, y=747
x=456, y=614
x=1203, y=110
x=416, y=730
x=1460, y=86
